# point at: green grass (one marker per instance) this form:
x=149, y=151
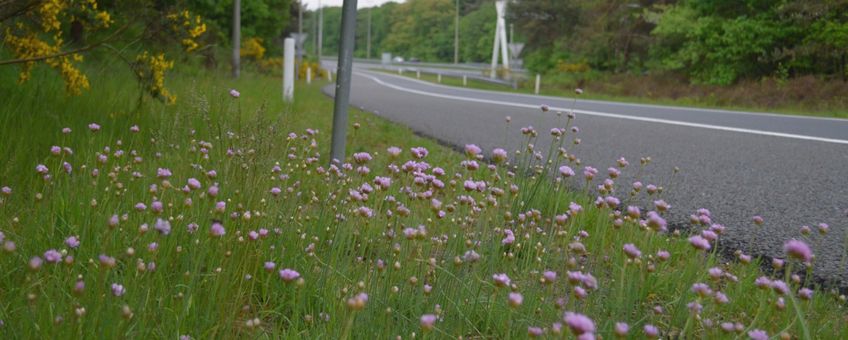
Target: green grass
x=200, y=287
x=555, y=90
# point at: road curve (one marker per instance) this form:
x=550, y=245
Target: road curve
x=791, y=170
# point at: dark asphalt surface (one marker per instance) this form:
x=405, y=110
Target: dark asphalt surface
x=793, y=171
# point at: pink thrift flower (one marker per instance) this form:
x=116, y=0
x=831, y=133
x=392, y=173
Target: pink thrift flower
x=289, y=275
x=621, y=329
x=472, y=150
x=798, y=250
x=428, y=321
x=758, y=334
x=499, y=155
x=501, y=280
x=631, y=251
x=700, y=243
x=72, y=242
x=118, y=290
x=566, y=171
x=52, y=256
x=579, y=323
x=217, y=229
x=394, y=151
x=515, y=299
x=651, y=331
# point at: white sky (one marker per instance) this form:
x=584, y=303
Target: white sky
x=312, y=4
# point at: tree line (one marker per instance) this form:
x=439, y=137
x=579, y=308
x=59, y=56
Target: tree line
x=707, y=41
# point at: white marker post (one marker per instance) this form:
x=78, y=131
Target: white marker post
x=439, y=78
x=309, y=75
x=538, y=82
x=418, y=74
x=464, y=80
x=288, y=70
x=329, y=75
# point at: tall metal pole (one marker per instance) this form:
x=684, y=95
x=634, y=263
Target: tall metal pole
x=345, y=64
x=456, y=35
x=320, y=29
x=236, y=40
x=300, y=39
x=368, y=47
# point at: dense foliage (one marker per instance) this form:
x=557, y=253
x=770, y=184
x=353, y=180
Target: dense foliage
x=711, y=42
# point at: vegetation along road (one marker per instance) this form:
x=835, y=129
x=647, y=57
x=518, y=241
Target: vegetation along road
x=789, y=170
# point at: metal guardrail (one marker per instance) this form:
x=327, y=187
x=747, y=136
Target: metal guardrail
x=475, y=71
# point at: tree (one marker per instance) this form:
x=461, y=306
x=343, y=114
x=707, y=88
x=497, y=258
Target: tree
x=423, y=30
x=34, y=34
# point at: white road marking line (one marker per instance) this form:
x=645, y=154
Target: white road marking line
x=654, y=106
x=611, y=115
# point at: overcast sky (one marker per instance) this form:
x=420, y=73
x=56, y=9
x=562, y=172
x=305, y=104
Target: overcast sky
x=312, y=4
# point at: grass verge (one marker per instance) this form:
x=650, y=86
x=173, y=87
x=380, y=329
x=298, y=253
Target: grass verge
x=220, y=218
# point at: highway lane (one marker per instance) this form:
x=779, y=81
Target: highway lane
x=791, y=170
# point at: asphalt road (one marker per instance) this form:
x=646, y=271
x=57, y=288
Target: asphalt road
x=792, y=171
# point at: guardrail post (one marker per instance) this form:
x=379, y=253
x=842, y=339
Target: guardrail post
x=418, y=74
x=538, y=82
x=464, y=80
x=439, y=78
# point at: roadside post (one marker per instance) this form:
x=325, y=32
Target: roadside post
x=288, y=69
x=538, y=83
x=464, y=80
x=439, y=78
x=309, y=75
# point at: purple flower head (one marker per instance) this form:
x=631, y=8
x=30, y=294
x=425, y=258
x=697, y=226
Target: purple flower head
x=798, y=250
x=428, y=321
x=631, y=251
x=472, y=150
x=289, y=275
x=663, y=255
x=621, y=329
x=193, y=183
x=394, y=151
x=499, y=155
x=651, y=331
x=72, y=242
x=162, y=226
x=35, y=263
x=362, y=157
x=217, y=229
x=758, y=334
x=758, y=220
x=501, y=280
x=579, y=323
x=803, y=293
x=515, y=299
x=94, y=127
x=655, y=221
x=549, y=276
x=52, y=256
x=419, y=152
x=269, y=266
x=163, y=173
x=234, y=93
x=118, y=290
x=566, y=171
x=700, y=243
